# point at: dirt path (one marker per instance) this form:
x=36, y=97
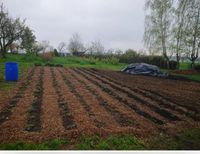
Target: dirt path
x=50, y=116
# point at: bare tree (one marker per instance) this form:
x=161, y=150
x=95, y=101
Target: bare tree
x=62, y=47
x=10, y=30
x=45, y=45
x=192, y=31
x=158, y=26
x=96, y=48
x=37, y=47
x=118, y=52
x=179, y=28
x=76, y=46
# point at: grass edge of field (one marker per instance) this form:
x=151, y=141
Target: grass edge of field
x=188, y=139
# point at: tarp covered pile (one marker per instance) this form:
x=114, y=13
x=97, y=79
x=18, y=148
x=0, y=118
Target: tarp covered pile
x=144, y=69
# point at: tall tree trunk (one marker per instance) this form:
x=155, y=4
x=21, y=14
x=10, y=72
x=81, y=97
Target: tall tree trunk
x=192, y=64
x=193, y=55
x=178, y=61
x=4, y=52
x=165, y=52
x=179, y=33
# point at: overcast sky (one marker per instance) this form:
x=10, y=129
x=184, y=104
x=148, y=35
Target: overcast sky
x=116, y=23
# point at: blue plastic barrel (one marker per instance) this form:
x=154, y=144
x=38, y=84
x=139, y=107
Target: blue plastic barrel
x=11, y=71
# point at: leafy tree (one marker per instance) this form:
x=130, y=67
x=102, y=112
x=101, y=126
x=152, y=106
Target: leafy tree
x=10, y=30
x=28, y=40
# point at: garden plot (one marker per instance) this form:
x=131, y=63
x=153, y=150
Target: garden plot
x=54, y=102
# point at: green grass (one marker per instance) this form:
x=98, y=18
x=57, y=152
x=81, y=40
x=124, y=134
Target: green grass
x=192, y=77
x=187, y=140
x=122, y=142
x=88, y=63
x=26, y=61
x=56, y=144
x=185, y=66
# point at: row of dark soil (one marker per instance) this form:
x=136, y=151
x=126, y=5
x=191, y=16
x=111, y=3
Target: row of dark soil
x=7, y=110
x=158, y=98
x=67, y=117
x=190, y=109
x=120, y=118
x=123, y=100
x=34, y=112
x=168, y=115
x=82, y=101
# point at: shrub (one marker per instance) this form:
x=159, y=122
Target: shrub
x=110, y=60
x=59, y=65
x=47, y=56
x=37, y=64
x=173, y=65
x=30, y=57
x=50, y=64
x=197, y=67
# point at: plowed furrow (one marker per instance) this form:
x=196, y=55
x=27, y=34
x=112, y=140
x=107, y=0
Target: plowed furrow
x=121, y=119
x=191, y=109
x=168, y=115
x=121, y=99
x=65, y=113
x=81, y=118
x=34, y=112
x=82, y=101
x=140, y=122
x=172, y=85
x=13, y=127
x=7, y=110
x=158, y=99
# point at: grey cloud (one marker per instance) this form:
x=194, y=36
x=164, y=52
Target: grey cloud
x=117, y=23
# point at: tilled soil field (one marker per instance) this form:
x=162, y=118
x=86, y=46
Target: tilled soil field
x=67, y=103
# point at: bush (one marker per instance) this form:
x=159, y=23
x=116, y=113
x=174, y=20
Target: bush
x=38, y=64
x=59, y=65
x=50, y=64
x=47, y=56
x=110, y=60
x=197, y=67
x=30, y=57
x=173, y=65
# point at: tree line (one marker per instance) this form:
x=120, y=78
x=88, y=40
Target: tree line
x=172, y=27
